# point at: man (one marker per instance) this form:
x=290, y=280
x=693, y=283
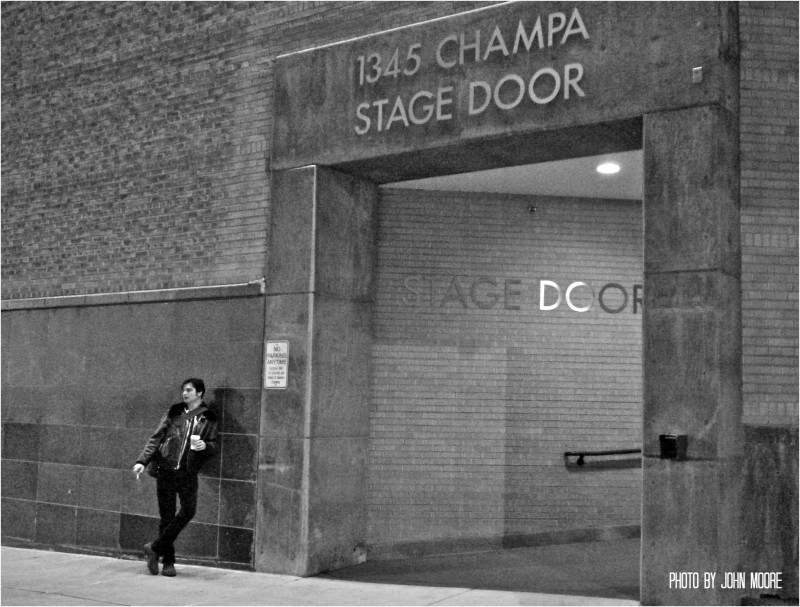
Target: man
x=185, y=438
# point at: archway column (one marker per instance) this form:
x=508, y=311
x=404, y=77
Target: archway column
x=314, y=433
x=691, y=353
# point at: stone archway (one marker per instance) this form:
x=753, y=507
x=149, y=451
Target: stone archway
x=683, y=110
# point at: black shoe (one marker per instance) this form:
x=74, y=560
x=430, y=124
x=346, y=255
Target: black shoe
x=152, y=558
x=169, y=571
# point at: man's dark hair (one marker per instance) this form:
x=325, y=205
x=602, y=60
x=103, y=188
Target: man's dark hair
x=199, y=385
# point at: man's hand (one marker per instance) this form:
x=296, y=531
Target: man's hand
x=137, y=470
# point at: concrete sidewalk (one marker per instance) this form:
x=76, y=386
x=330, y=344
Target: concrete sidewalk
x=38, y=577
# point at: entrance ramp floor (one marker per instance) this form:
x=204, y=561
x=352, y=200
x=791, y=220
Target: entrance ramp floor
x=604, y=569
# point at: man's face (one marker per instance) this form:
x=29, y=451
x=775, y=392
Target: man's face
x=190, y=395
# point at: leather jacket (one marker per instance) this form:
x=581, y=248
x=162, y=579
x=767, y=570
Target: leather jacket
x=170, y=439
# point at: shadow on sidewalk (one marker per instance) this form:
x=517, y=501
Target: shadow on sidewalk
x=607, y=569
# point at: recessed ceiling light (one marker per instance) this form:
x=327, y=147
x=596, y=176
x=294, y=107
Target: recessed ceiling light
x=608, y=168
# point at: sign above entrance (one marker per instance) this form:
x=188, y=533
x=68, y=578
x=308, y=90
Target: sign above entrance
x=497, y=73
x=452, y=52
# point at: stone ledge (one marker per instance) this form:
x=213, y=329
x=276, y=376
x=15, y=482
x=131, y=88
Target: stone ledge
x=250, y=289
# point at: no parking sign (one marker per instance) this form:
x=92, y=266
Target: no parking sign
x=276, y=365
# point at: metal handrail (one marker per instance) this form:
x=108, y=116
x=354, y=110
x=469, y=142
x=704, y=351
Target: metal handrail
x=581, y=454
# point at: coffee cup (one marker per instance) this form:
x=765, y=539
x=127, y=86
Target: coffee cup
x=194, y=438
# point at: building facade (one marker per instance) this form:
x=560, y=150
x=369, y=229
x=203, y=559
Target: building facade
x=231, y=191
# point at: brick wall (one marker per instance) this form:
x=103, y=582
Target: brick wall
x=136, y=136
x=769, y=161
x=477, y=393
x=136, y=139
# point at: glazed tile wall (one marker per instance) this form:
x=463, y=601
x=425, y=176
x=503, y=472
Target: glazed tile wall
x=74, y=421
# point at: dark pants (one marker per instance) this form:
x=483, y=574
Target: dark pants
x=169, y=486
